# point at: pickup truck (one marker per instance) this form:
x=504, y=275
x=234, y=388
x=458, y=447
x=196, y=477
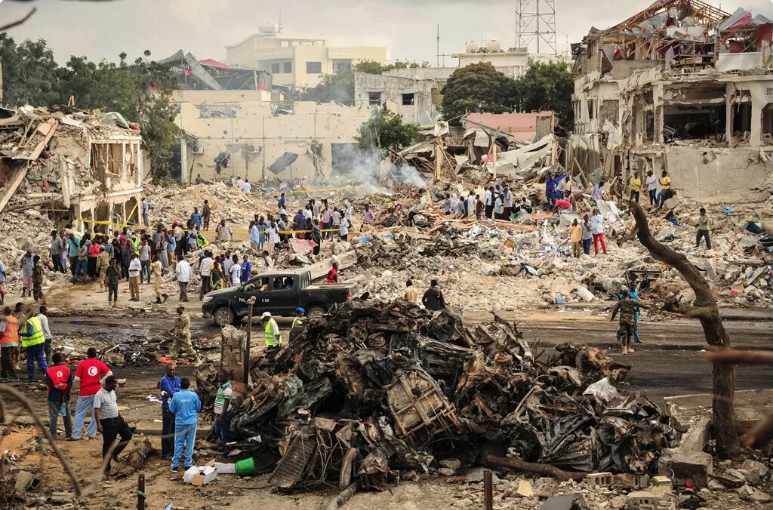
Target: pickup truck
x=280, y=293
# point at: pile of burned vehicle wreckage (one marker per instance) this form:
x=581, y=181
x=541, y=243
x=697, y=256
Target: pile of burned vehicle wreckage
x=374, y=392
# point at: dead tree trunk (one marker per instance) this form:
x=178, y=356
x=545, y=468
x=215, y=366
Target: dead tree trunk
x=704, y=309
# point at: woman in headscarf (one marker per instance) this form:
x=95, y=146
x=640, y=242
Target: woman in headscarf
x=216, y=275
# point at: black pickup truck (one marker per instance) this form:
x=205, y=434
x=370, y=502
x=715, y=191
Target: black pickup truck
x=280, y=293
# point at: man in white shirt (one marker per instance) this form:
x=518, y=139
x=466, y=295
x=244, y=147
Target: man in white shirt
x=204, y=271
x=135, y=268
x=236, y=272
x=110, y=423
x=184, y=274
x=345, y=228
x=46, y=332
x=240, y=183
x=268, y=264
x=247, y=187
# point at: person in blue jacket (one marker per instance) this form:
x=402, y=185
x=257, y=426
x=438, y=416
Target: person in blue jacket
x=186, y=406
x=550, y=189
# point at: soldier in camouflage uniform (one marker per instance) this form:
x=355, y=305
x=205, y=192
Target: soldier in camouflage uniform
x=627, y=309
x=37, y=279
x=182, y=332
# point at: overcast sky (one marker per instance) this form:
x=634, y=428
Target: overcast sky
x=407, y=28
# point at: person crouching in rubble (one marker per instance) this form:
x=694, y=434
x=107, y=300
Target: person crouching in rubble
x=272, y=336
x=223, y=411
x=627, y=309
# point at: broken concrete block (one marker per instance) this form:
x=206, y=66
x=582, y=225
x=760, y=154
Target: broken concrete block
x=760, y=497
x=454, y=464
x=525, y=489
x=745, y=492
x=661, y=485
x=641, y=500
x=753, y=465
x=599, y=479
x=444, y=471
x=26, y=481
x=695, y=467
x=571, y=502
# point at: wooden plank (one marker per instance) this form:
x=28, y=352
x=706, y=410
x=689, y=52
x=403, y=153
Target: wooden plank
x=48, y=129
x=13, y=184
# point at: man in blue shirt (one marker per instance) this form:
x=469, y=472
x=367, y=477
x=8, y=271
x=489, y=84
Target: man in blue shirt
x=185, y=405
x=196, y=218
x=169, y=386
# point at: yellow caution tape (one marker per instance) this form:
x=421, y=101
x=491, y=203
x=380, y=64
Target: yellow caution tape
x=305, y=190
x=143, y=227
x=380, y=198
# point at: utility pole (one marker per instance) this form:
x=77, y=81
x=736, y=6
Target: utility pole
x=438, y=45
x=246, y=356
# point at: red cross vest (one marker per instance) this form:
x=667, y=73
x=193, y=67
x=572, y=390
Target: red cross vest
x=59, y=374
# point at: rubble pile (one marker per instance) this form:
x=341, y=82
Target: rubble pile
x=374, y=389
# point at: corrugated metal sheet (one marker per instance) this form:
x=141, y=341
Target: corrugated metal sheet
x=733, y=19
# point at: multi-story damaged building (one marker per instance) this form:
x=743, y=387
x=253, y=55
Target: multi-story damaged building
x=684, y=87
x=82, y=169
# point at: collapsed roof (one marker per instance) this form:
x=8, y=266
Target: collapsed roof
x=683, y=34
x=210, y=74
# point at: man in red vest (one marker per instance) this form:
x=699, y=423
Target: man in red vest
x=9, y=342
x=59, y=379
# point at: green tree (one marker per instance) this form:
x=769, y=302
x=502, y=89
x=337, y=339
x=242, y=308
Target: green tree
x=334, y=87
x=547, y=86
x=141, y=92
x=372, y=67
x=386, y=131
x=477, y=88
x=29, y=71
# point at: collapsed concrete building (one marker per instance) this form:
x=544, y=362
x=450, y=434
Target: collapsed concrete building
x=71, y=165
x=684, y=87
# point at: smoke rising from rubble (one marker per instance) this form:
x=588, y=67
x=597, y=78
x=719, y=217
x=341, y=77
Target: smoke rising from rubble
x=366, y=165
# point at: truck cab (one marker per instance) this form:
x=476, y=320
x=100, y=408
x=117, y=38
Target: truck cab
x=280, y=293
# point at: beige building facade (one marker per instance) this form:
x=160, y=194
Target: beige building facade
x=298, y=62
x=251, y=137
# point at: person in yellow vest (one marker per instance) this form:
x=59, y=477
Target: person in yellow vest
x=9, y=341
x=273, y=338
x=33, y=342
x=299, y=317
x=635, y=188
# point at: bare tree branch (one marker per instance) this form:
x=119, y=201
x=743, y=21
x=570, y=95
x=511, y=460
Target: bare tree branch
x=19, y=22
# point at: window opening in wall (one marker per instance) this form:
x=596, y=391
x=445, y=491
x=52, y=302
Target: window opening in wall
x=408, y=99
x=343, y=67
x=591, y=112
x=288, y=67
x=275, y=68
x=374, y=98
x=767, y=124
x=313, y=67
x=699, y=122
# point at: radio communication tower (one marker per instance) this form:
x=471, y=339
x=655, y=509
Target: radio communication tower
x=535, y=20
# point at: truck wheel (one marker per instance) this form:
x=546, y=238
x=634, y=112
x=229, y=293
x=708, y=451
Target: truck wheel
x=224, y=316
x=316, y=311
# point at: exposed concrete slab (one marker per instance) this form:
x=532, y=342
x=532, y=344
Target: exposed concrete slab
x=750, y=405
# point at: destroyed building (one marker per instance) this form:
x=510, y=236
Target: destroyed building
x=75, y=165
x=415, y=99
x=213, y=75
x=684, y=87
x=244, y=134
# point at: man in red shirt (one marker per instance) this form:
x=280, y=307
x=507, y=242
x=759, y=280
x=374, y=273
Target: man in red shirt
x=90, y=373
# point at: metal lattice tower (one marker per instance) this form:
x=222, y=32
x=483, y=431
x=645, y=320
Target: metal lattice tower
x=535, y=20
